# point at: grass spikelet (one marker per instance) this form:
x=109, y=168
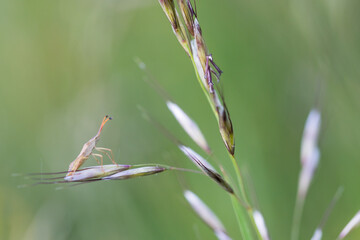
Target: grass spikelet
x=136, y=172
x=225, y=123
x=202, y=51
x=354, y=222
x=307, y=173
x=198, y=67
x=190, y=127
x=310, y=155
x=205, y=66
x=206, y=167
x=260, y=224
x=317, y=234
x=187, y=14
x=199, y=161
x=310, y=135
x=168, y=7
x=105, y=172
x=205, y=213
x=96, y=172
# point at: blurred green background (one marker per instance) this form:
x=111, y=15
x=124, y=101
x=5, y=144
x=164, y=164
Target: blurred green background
x=65, y=64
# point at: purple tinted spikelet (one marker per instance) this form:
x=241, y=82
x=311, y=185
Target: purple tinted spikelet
x=96, y=172
x=225, y=123
x=310, y=153
x=179, y=30
x=202, y=51
x=188, y=15
x=206, y=168
x=136, y=172
x=169, y=8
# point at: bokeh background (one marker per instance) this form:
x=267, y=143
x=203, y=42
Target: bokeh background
x=65, y=64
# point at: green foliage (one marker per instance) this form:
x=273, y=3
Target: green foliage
x=65, y=64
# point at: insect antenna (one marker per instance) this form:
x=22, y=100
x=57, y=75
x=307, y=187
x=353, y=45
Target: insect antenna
x=105, y=119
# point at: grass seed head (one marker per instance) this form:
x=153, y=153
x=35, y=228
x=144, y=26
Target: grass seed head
x=188, y=15
x=202, y=51
x=225, y=124
x=168, y=7
x=206, y=167
x=96, y=172
x=354, y=222
x=197, y=61
x=317, y=234
x=310, y=135
x=260, y=224
x=307, y=173
x=205, y=213
x=135, y=172
x=190, y=127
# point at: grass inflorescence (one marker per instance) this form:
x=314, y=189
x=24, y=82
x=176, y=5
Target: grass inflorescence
x=185, y=25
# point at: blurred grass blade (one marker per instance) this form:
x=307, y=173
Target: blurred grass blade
x=242, y=215
x=354, y=222
x=222, y=235
x=310, y=155
x=310, y=135
x=190, y=127
x=317, y=234
x=205, y=213
x=260, y=224
x=319, y=230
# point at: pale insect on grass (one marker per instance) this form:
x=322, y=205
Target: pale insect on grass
x=88, y=150
x=250, y=220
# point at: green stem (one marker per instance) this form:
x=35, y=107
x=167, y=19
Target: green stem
x=242, y=219
x=239, y=179
x=250, y=210
x=299, y=205
x=244, y=215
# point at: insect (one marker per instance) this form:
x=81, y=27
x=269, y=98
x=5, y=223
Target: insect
x=88, y=149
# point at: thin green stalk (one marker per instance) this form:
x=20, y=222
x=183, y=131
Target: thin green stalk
x=299, y=205
x=242, y=219
x=239, y=178
x=250, y=210
x=242, y=214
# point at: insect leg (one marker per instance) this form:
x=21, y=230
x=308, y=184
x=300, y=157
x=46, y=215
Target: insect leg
x=97, y=160
x=103, y=150
x=101, y=157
